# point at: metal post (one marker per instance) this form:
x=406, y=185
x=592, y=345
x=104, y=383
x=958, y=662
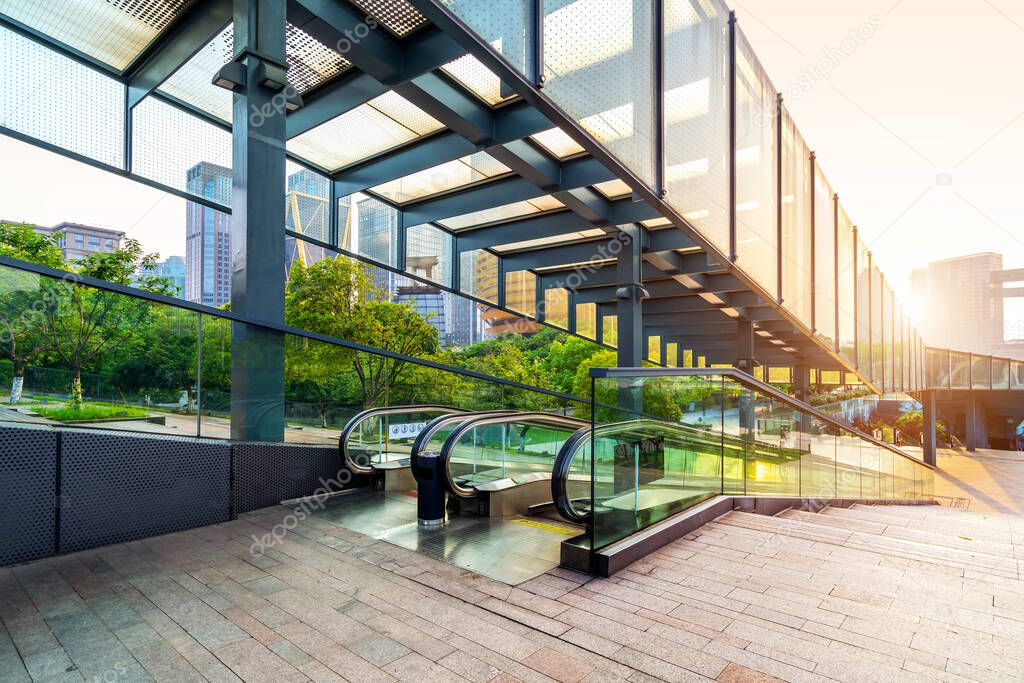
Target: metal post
x=928, y=427
x=835, y=269
x=536, y=38
x=732, y=136
x=258, y=212
x=659, y=97
x=629, y=299
x=778, y=196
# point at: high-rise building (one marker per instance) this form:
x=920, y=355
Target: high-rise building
x=77, y=240
x=958, y=304
x=208, y=236
x=171, y=269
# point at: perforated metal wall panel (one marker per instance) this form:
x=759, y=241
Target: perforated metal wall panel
x=267, y=473
x=28, y=457
x=117, y=487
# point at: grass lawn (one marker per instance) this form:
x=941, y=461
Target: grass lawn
x=89, y=411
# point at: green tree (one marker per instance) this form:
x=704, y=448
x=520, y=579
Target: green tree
x=86, y=322
x=337, y=297
x=22, y=300
x=658, y=396
x=564, y=356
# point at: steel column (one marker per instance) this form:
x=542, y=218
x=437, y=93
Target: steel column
x=258, y=203
x=928, y=427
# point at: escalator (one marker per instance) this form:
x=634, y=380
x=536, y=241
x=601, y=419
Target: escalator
x=630, y=474
x=378, y=442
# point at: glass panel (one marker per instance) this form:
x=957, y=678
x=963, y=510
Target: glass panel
x=672, y=354
x=588, y=45
x=501, y=213
x=112, y=32
x=557, y=143
x=556, y=307
x=654, y=349
x=645, y=470
x=863, y=309
x=201, y=167
x=479, y=274
x=383, y=123
x=897, y=345
x=55, y=99
x=215, y=389
x=472, y=75
x=877, y=347
x=521, y=292
x=1017, y=375
x=502, y=23
x=610, y=330
x=887, y=334
x=756, y=170
x=959, y=370
x=824, y=258
x=981, y=372
x=369, y=227
x=428, y=253
x=586, y=320
x=696, y=116
x=1000, y=373
x=846, y=293
x=441, y=178
x=937, y=369
x=797, y=284
x=307, y=203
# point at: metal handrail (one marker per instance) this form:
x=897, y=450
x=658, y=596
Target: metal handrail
x=535, y=418
x=361, y=417
x=757, y=385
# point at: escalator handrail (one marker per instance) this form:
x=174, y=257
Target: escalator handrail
x=583, y=438
x=438, y=423
x=364, y=415
x=560, y=476
x=531, y=418
x=757, y=385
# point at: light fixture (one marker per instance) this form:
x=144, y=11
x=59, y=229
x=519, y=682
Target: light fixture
x=231, y=76
x=273, y=76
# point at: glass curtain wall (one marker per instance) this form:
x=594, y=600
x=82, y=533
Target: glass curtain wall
x=696, y=115
x=797, y=278
x=824, y=258
x=756, y=170
x=846, y=292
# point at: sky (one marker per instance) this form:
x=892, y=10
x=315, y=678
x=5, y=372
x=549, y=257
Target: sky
x=917, y=121
x=918, y=124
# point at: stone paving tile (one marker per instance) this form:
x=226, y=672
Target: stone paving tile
x=866, y=593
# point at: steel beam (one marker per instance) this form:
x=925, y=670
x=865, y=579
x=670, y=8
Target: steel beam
x=574, y=174
x=184, y=38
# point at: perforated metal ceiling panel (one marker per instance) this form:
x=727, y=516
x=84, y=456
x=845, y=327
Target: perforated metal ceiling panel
x=112, y=31
x=117, y=487
x=28, y=457
x=397, y=16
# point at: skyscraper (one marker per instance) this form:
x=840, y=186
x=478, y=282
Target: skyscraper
x=958, y=304
x=172, y=269
x=208, y=237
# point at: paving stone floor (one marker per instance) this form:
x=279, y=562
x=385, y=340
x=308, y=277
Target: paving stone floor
x=864, y=594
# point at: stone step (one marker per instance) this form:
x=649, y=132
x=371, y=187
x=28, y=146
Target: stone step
x=948, y=525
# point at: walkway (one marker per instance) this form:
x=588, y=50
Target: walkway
x=870, y=593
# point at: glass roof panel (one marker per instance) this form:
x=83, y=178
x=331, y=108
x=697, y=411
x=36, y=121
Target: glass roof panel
x=383, y=123
x=441, y=178
x=557, y=143
x=112, y=31
x=478, y=79
x=501, y=213
x=397, y=16
x=613, y=188
x=310, y=63
x=550, y=240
